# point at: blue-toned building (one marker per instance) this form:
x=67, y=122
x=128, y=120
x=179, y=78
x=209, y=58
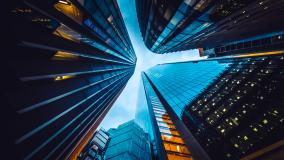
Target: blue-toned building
x=66, y=64
x=169, y=26
x=224, y=108
x=168, y=143
x=96, y=148
x=128, y=142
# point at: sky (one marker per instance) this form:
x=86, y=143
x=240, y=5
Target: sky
x=124, y=108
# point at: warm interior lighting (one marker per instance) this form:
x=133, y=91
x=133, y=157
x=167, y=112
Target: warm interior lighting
x=60, y=78
x=64, y=2
x=60, y=55
x=259, y=54
x=69, y=10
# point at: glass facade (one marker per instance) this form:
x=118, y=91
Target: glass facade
x=241, y=111
x=180, y=83
x=68, y=64
x=169, y=145
x=233, y=103
x=169, y=26
x=267, y=44
x=128, y=141
x=96, y=148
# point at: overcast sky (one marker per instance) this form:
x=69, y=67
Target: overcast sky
x=124, y=108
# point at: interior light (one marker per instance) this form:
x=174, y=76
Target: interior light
x=265, y=121
x=64, y=2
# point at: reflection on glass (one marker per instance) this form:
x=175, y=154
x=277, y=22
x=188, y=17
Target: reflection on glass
x=60, y=55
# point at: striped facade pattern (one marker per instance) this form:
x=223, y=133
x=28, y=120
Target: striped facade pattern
x=70, y=64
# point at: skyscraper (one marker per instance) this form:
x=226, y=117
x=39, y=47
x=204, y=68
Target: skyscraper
x=128, y=142
x=68, y=61
x=233, y=107
x=168, y=143
x=169, y=26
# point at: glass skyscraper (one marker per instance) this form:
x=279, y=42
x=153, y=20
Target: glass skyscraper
x=68, y=62
x=231, y=107
x=169, y=26
x=128, y=142
x=167, y=141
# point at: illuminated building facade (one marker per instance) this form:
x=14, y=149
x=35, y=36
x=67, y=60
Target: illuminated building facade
x=68, y=62
x=242, y=111
x=232, y=107
x=128, y=142
x=169, y=26
x=168, y=143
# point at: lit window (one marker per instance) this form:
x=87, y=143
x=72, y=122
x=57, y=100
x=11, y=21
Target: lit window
x=59, y=78
x=70, y=10
x=265, y=121
x=109, y=19
x=64, y=56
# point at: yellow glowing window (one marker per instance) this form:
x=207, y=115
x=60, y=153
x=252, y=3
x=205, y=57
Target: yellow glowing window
x=70, y=10
x=172, y=139
x=60, y=78
x=64, y=56
x=178, y=157
x=176, y=148
x=261, y=54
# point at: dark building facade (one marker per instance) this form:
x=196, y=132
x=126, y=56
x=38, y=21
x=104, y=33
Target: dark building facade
x=128, y=142
x=68, y=61
x=269, y=44
x=233, y=107
x=169, y=26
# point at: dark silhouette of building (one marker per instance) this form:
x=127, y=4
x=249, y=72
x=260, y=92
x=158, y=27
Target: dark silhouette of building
x=232, y=107
x=169, y=26
x=67, y=63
